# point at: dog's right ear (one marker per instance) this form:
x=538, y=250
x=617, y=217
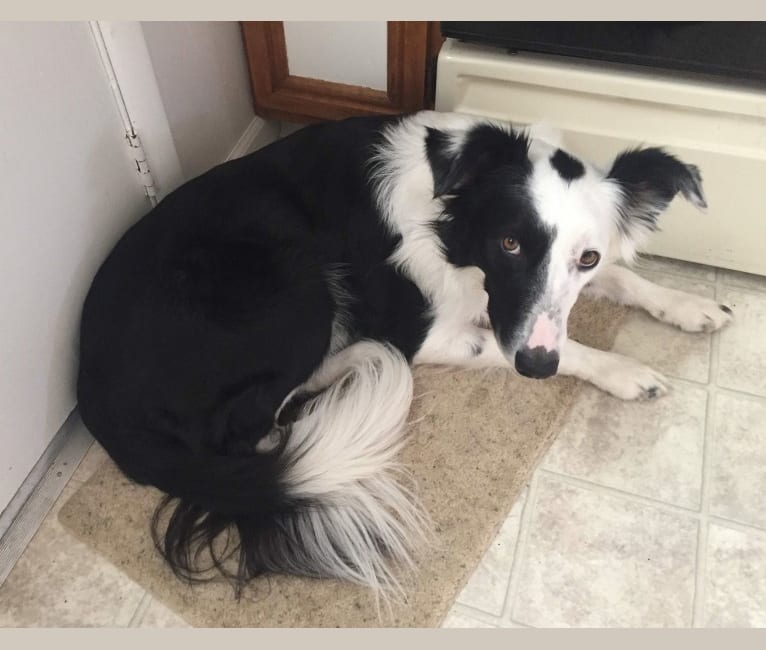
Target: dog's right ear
x=648, y=180
x=459, y=157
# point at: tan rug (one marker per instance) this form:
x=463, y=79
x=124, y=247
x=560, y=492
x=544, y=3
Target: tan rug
x=476, y=438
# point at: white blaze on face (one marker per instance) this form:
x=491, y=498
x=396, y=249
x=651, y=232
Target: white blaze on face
x=545, y=333
x=579, y=213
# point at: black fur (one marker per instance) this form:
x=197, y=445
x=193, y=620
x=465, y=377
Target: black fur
x=490, y=201
x=212, y=308
x=650, y=179
x=568, y=167
x=487, y=147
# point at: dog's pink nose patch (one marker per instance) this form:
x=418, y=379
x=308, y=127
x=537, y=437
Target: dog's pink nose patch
x=545, y=334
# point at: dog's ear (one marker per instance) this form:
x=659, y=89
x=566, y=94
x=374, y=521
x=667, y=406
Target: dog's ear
x=459, y=157
x=648, y=180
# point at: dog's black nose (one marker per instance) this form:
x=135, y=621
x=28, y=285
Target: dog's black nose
x=537, y=363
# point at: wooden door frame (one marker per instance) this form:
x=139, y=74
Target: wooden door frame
x=277, y=94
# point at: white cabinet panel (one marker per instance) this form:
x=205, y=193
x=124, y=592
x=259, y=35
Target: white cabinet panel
x=602, y=110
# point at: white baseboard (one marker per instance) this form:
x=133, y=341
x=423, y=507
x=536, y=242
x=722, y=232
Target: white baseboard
x=258, y=134
x=24, y=514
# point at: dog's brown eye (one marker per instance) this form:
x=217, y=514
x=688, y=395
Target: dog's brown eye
x=589, y=259
x=511, y=245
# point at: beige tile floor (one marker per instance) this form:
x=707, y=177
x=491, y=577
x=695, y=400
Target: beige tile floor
x=648, y=515
x=641, y=515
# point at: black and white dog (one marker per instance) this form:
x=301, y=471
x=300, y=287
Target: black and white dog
x=246, y=346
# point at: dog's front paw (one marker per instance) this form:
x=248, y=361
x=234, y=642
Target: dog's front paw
x=695, y=314
x=631, y=380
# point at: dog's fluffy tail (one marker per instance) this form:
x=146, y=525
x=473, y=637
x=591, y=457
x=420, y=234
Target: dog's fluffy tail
x=330, y=500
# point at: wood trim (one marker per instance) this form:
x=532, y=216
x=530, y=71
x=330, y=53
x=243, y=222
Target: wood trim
x=435, y=40
x=279, y=95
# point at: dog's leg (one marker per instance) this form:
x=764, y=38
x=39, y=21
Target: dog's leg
x=618, y=375
x=471, y=347
x=690, y=312
x=614, y=373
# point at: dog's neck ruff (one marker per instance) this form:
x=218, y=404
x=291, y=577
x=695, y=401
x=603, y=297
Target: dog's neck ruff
x=404, y=192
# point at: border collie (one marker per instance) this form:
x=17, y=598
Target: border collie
x=246, y=346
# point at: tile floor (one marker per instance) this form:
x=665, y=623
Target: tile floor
x=648, y=515
x=641, y=515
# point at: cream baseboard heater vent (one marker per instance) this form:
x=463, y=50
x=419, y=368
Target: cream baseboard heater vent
x=603, y=109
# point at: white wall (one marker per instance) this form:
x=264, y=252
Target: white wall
x=202, y=74
x=346, y=52
x=67, y=191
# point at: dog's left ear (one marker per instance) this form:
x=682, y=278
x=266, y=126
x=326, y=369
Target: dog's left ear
x=457, y=158
x=649, y=179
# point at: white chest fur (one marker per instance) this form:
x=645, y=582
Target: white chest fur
x=404, y=186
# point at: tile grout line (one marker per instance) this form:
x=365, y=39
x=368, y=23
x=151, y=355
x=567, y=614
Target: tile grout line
x=732, y=524
x=711, y=386
x=514, y=544
x=700, y=568
x=721, y=289
x=519, y=553
x=733, y=392
x=700, y=571
x=700, y=577
x=485, y=617
x=663, y=506
x=617, y=493
x=518, y=624
x=141, y=608
x=475, y=613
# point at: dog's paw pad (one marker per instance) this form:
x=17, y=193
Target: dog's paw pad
x=652, y=392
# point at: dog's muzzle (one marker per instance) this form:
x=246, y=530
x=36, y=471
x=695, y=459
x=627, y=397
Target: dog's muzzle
x=537, y=363
x=539, y=356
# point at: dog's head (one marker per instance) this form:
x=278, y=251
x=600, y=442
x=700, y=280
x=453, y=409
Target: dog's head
x=540, y=223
